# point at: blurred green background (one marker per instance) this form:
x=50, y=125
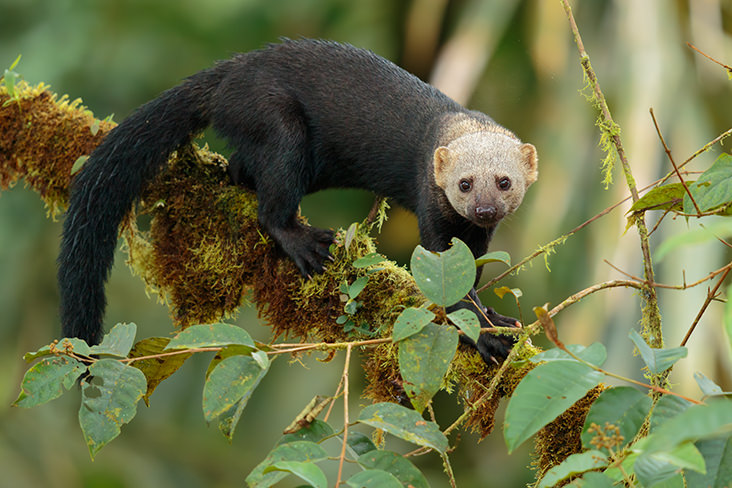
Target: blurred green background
x=512, y=59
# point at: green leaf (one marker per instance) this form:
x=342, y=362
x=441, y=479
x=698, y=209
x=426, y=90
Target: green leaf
x=616, y=472
x=228, y=352
x=404, y=423
x=595, y=354
x=117, y=342
x=696, y=422
x=594, y=480
x=305, y=470
x=667, y=408
x=210, y=335
x=360, y=443
x=663, y=467
x=501, y=292
x=718, y=460
x=685, y=456
x=544, y=393
x=15, y=63
x=316, y=431
x=368, y=260
x=78, y=164
x=664, y=197
x=351, y=306
x=94, y=129
x=573, y=465
x=410, y=321
x=155, y=369
x=350, y=235
x=654, y=473
x=707, y=386
x=11, y=77
x=713, y=188
x=424, y=359
x=657, y=360
x=374, y=478
x=357, y=287
x=47, y=380
x=230, y=384
x=467, y=321
x=108, y=400
x=300, y=451
x=624, y=406
x=399, y=466
x=494, y=257
x=444, y=277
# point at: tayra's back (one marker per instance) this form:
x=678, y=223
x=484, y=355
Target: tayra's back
x=367, y=119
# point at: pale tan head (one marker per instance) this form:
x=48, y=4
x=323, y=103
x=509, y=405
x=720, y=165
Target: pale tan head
x=485, y=174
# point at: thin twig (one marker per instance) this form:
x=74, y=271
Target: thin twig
x=170, y=353
x=684, y=286
x=335, y=397
x=292, y=348
x=711, y=295
x=660, y=219
x=345, y=414
x=703, y=149
x=374, y=212
x=571, y=300
x=671, y=158
x=728, y=68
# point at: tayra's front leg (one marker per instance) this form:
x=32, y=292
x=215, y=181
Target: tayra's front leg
x=492, y=348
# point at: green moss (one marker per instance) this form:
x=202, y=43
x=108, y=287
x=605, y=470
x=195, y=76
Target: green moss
x=205, y=252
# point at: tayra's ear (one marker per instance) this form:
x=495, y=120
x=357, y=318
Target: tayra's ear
x=531, y=163
x=442, y=165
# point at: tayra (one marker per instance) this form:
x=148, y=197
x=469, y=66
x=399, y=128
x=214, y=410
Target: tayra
x=302, y=116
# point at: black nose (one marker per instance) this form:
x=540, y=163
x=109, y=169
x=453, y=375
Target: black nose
x=486, y=214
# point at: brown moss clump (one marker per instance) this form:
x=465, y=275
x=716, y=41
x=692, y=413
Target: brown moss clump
x=475, y=378
x=561, y=438
x=41, y=138
x=202, y=237
x=383, y=379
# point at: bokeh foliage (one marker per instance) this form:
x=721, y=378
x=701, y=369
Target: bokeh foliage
x=512, y=59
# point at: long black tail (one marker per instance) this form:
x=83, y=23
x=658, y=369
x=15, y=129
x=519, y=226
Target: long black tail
x=108, y=186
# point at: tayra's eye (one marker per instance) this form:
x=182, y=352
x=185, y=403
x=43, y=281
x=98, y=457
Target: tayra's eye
x=504, y=183
x=465, y=186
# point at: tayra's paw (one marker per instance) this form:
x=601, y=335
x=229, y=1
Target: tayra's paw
x=495, y=348
x=307, y=247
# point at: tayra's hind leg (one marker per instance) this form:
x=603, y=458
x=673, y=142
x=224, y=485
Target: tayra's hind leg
x=306, y=246
x=272, y=155
x=281, y=176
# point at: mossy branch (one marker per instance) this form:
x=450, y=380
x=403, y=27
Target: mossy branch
x=651, y=315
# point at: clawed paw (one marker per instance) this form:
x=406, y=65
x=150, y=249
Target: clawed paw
x=495, y=348
x=307, y=247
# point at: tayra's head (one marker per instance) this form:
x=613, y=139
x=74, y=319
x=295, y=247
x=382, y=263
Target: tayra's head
x=485, y=174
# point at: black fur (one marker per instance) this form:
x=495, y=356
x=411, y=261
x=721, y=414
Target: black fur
x=301, y=116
